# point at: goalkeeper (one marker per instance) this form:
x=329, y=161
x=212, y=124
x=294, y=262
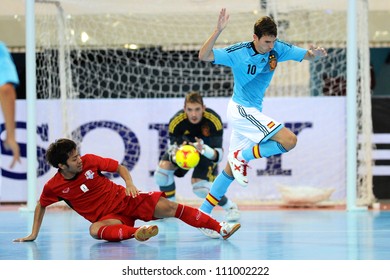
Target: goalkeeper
x=202, y=127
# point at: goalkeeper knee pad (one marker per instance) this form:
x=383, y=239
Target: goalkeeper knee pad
x=163, y=177
x=201, y=188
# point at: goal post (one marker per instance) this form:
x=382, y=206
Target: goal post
x=92, y=50
x=359, y=144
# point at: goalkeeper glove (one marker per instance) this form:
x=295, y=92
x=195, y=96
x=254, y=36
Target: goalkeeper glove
x=204, y=149
x=172, y=149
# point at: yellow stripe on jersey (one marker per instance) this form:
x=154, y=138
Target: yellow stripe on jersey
x=214, y=119
x=178, y=119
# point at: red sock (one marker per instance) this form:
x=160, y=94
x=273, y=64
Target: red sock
x=116, y=232
x=196, y=218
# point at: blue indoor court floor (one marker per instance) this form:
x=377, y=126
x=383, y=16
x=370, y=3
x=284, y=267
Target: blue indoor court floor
x=276, y=234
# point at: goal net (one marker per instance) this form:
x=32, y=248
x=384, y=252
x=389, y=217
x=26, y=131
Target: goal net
x=119, y=52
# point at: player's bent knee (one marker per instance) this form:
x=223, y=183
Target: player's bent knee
x=172, y=208
x=201, y=188
x=292, y=142
x=165, y=208
x=289, y=142
x=163, y=177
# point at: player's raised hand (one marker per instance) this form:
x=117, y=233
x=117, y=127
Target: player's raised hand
x=223, y=19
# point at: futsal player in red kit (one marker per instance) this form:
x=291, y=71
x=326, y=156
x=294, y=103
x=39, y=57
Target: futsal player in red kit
x=112, y=209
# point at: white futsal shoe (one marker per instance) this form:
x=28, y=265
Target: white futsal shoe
x=233, y=214
x=239, y=168
x=226, y=231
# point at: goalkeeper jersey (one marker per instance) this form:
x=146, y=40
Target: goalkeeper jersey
x=209, y=129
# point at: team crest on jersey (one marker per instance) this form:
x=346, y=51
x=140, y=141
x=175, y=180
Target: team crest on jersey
x=206, y=130
x=273, y=62
x=89, y=174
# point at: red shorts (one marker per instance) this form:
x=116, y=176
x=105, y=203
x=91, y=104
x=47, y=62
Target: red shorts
x=139, y=208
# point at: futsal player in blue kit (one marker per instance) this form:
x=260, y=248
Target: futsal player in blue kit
x=253, y=63
x=8, y=81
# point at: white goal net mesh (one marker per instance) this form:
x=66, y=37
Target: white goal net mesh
x=148, y=49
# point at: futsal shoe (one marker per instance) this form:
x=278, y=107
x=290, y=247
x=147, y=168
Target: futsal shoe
x=143, y=233
x=228, y=230
x=239, y=168
x=210, y=233
x=233, y=214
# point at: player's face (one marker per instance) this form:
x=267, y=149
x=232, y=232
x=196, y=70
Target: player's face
x=74, y=164
x=265, y=43
x=194, y=112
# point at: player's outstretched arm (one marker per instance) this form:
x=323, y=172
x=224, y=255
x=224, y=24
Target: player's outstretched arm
x=38, y=217
x=131, y=189
x=206, y=51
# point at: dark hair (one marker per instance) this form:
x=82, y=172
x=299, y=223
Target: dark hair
x=265, y=26
x=193, y=97
x=58, y=152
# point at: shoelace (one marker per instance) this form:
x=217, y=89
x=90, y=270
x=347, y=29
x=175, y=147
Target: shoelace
x=245, y=167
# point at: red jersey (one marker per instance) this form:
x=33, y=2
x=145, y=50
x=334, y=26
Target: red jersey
x=89, y=193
